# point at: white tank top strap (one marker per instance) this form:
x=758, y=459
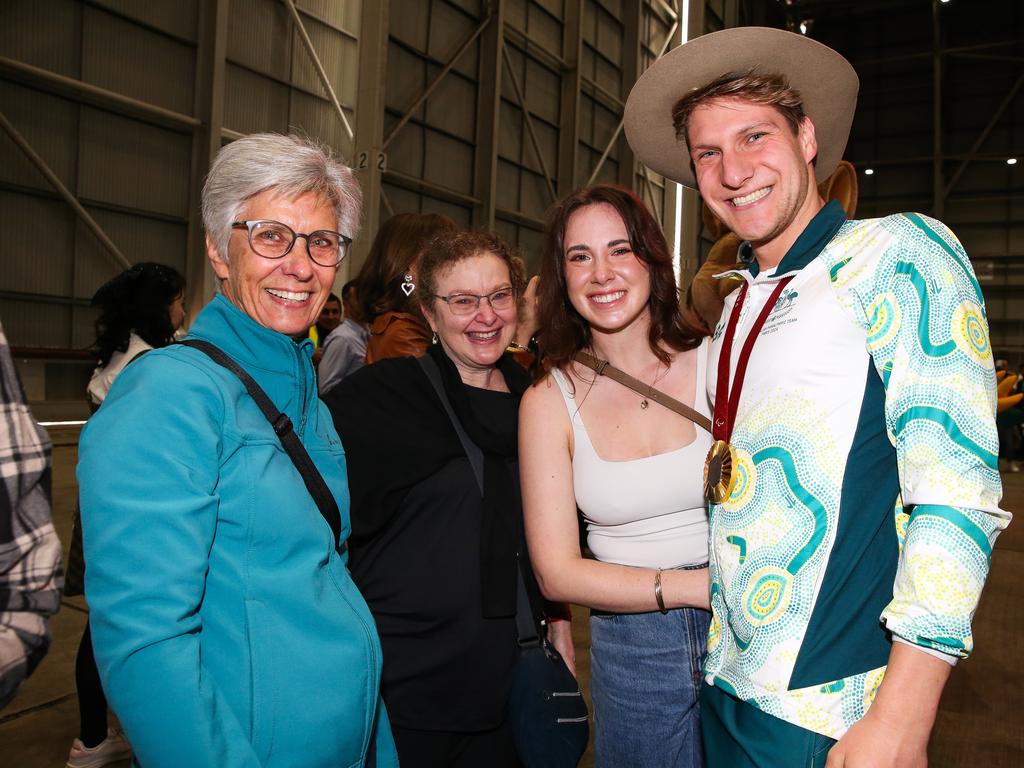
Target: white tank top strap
x=580, y=436
x=700, y=398
x=563, y=385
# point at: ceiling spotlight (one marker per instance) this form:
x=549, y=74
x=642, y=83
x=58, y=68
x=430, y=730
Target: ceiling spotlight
x=869, y=171
x=943, y=1
x=1011, y=161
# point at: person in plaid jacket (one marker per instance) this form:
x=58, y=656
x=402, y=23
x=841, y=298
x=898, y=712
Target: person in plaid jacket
x=31, y=575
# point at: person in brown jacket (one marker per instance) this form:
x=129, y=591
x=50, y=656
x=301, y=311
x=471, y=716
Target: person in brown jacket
x=387, y=285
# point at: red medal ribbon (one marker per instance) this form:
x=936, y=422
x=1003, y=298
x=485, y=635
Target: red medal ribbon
x=727, y=401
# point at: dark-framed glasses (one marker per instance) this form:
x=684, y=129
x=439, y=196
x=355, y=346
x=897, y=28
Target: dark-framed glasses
x=468, y=303
x=274, y=240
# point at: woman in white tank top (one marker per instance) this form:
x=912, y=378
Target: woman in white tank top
x=631, y=466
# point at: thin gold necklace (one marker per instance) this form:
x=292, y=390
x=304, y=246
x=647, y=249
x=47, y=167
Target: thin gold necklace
x=657, y=377
x=644, y=404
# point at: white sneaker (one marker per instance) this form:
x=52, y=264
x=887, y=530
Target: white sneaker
x=112, y=749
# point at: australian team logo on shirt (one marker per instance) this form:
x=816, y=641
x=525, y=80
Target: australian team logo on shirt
x=783, y=307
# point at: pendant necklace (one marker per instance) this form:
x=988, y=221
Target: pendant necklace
x=643, y=400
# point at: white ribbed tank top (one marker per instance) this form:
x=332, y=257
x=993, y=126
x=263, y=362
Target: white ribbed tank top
x=647, y=512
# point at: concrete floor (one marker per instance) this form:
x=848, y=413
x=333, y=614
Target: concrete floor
x=981, y=721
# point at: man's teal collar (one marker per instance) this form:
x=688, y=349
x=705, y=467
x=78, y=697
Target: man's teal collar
x=812, y=241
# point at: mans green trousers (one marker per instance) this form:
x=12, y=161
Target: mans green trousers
x=739, y=735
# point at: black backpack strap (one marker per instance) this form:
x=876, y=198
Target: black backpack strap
x=525, y=626
x=473, y=452
x=286, y=434
x=136, y=356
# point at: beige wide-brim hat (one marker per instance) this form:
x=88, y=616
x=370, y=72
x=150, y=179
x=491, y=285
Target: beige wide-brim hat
x=824, y=79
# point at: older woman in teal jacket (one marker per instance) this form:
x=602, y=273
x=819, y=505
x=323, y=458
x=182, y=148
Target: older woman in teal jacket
x=226, y=627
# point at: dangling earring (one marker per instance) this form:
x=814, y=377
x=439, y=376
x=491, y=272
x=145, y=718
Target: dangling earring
x=408, y=286
x=434, y=339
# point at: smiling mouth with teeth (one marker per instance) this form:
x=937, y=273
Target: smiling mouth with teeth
x=296, y=296
x=753, y=197
x=608, y=298
x=484, y=336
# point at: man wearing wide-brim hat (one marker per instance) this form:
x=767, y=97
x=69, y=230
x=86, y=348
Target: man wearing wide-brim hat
x=853, y=484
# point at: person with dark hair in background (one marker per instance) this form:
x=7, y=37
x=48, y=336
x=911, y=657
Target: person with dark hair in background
x=328, y=319
x=387, y=284
x=608, y=291
x=435, y=558
x=344, y=349
x=140, y=309
x=30, y=553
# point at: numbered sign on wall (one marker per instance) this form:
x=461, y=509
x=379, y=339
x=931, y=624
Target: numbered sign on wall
x=379, y=159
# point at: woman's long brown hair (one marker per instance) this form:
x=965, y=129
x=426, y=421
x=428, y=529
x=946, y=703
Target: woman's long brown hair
x=563, y=331
x=399, y=243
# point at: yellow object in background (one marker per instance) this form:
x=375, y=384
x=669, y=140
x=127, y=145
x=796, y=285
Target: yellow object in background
x=1005, y=384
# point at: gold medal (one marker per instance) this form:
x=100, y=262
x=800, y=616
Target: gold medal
x=719, y=475
x=720, y=471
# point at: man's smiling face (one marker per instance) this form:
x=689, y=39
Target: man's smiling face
x=753, y=172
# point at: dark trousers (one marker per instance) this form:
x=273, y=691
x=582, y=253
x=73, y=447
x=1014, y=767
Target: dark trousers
x=455, y=749
x=92, y=702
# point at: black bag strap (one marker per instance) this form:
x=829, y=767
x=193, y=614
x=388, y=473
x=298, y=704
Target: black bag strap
x=136, y=356
x=526, y=629
x=285, y=432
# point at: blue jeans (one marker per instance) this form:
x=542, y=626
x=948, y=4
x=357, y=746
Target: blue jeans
x=645, y=680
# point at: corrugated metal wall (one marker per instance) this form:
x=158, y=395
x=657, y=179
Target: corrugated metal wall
x=120, y=100
x=131, y=168
x=571, y=61
x=437, y=143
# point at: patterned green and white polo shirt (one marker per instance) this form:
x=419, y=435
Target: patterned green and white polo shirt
x=868, y=491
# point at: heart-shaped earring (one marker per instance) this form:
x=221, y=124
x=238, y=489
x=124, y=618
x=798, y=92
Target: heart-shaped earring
x=408, y=286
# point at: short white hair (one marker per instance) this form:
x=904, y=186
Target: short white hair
x=291, y=166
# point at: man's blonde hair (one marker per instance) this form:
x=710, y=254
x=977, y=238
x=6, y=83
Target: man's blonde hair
x=756, y=87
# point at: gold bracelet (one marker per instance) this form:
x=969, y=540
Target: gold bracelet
x=516, y=347
x=657, y=592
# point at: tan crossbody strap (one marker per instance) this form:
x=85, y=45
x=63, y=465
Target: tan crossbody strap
x=604, y=368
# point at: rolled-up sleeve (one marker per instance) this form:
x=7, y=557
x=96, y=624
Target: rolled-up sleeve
x=930, y=344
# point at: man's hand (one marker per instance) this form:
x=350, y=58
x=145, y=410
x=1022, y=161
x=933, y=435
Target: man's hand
x=875, y=742
x=560, y=636
x=895, y=731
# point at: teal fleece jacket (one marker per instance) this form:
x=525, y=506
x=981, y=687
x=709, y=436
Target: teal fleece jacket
x=227, y=629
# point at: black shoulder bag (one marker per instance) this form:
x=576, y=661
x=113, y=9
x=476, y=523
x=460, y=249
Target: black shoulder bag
x=546, y=709
x=286, y=434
